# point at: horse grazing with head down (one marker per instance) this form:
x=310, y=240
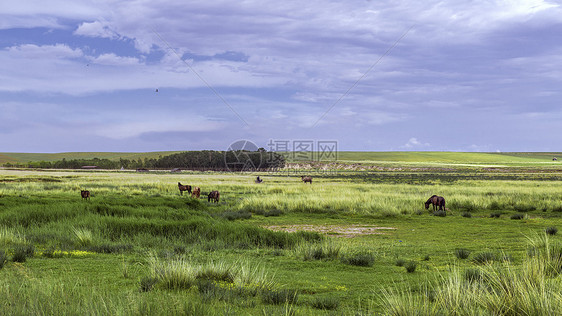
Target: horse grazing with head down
x=184, y=188
x=306, y=179
x=258, y=180
x=85, y=194
x=214, y=195
x=437, y=201
x=196, y=193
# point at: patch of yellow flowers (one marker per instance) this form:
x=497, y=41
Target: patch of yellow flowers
x=72, y=253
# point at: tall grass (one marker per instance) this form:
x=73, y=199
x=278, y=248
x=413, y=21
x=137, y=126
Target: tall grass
x=182, y=273
x=532, y=289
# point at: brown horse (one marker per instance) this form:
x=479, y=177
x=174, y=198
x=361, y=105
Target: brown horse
x=214, y=195
x=306, y=179
x=196, y=193
x=437, y=201
x=184, y=188
x=258, y=180
x=85, y=194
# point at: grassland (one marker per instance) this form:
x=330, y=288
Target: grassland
x=27, y=157
x=339, y=246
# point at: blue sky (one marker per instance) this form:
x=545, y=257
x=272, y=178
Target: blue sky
x=371, y=75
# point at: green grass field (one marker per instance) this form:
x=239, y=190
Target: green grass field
x=342, y=245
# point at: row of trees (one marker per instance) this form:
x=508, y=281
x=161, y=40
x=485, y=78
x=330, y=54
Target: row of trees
x=197, y=160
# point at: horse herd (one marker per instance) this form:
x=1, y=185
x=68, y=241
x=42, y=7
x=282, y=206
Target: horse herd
x=438, y=202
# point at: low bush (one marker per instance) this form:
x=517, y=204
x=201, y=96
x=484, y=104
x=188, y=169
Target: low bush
x=518, y=216
x=440, y=213
x=109, y=248
x=22, y=252
x=411, y=266
x=278, y=297
x=495, y=215
x=147, y=284
x=232, y=216
x=524, y=208
x=466, y=214
x=273, y=213
x=462, y=253
x=484, y=257
x=400, y=262
x=362, y=259
x=326, y=302
x=3, y=258
x=551, y=230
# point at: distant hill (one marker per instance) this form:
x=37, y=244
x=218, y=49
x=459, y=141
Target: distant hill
x=448, y=157
x=371, y=157
x=27, y=157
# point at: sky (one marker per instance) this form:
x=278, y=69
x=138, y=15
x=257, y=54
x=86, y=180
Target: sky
x=400, y=75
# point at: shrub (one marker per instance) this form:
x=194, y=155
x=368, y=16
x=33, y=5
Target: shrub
x=400, y=262
x=518, y=216
x=20, y=254
x=484, y=257
x=326, y=302
x=495, y=215
x=361, y=259
x=147, y=284
x=108, y=248
x=231, y=216
x=524, y=208
x=551, y=230
x=462, y=253
x=278, y=297
x=557, y=209
x=273, y=213
x=466, y=214
x=494, y=206
x=3, y=258
x=411, y=266
x=426, y=258
x=440, y=213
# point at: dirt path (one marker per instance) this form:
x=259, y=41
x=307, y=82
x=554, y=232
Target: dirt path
x=347, y=231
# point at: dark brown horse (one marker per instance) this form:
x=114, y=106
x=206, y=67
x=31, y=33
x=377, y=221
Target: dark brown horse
x=85, y=194
x=184, y=188
x=214, y=195
x=437, y=201
x=258, y=180
x=196, y=193
x=306, y=179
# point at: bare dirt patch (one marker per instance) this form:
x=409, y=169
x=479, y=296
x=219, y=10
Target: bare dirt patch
x=347, y=231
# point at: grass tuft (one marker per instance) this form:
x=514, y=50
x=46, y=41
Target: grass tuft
x=462, y=253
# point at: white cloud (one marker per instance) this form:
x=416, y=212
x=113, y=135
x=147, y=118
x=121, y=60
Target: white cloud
x=414, y=143
x=97, y=29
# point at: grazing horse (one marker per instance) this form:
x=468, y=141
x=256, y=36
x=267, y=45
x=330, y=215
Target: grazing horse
x=214, y=195
x=306, y=179
x=196, y=192
x=85, y=194
x=437, y=201
x=184, y=188
x=258, y=180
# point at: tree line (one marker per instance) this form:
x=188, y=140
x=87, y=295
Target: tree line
x=195, y=160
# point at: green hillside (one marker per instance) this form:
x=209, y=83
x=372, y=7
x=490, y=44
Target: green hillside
x=26, y=157
x=446, y=157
